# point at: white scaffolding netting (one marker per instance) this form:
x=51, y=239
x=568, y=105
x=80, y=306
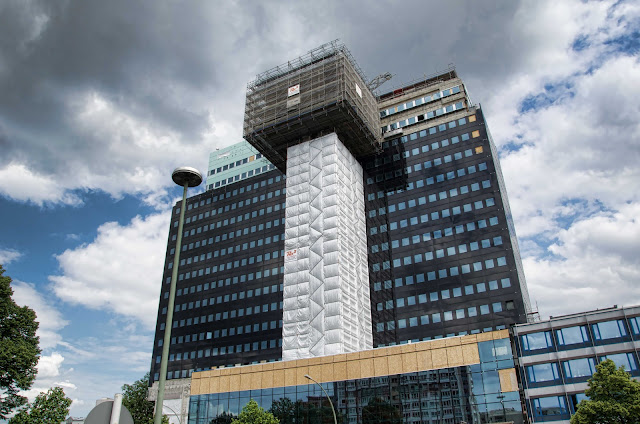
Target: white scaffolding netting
x=326, y=280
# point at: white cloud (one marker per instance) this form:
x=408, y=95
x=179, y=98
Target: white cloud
x=9, y=255
x=50, y=320
x=595, y=265
x=572, y=177
x=120, y=271
x=19, y=182
x=49, y=365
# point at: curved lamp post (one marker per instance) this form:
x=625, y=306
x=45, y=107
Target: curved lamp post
x=335, y=419
x=186, y=177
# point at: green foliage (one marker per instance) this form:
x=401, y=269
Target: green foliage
x=19, y=352
x=134, y=398
x=613, y=398
x=252, y=413
x=51, y=407
x=379, y=411
x=284, y=410
x=224, y=418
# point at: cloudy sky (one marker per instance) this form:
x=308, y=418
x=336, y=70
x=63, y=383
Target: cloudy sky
x=100, y=100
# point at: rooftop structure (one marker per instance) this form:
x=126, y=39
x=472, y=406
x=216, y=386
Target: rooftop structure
x=323, y=91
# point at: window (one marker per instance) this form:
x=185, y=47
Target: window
x=626, y=360
x=576, y=368
x=572, y=335
x=609, y=330
x=553, y=405
x=536, y=341
x=543, y=372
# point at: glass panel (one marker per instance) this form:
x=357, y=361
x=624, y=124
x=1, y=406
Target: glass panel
x=535, y=341
x=553, y=405
x=609, y=330
x=576, y=368
x=572, y=335
x=626, y=360
x=542, y=372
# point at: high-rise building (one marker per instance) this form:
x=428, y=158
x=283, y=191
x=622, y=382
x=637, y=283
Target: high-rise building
x=234, y=163
x=391, y=226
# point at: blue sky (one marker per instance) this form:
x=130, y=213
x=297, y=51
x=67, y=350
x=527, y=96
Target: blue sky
x=101, y=100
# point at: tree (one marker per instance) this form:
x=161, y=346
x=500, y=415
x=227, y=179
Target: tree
x=613, y=397
x=51, y=407
x=224, y=418
x=134, y=398
x=252, y=413
x=19, y=352
x=284, y=410
x=379, y=411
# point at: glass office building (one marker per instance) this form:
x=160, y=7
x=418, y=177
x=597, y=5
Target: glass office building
x=443, y=258
x=442, y=254
x=556, y=357
x=462, y=379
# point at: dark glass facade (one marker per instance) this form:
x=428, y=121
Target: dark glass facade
x=228, y=307
x=442, y=262
x=443, y=259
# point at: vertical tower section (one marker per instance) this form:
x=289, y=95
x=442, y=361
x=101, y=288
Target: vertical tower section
x=315, y=119
x=326, y=281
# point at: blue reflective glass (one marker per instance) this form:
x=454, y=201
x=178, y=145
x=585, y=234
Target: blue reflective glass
x=626, y=360
x=572, y=335
x=535, y=341
x=542, y=372
x=609, y=330
x=553, y=405
x=583, y=367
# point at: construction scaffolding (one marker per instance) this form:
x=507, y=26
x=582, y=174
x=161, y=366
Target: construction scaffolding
x=323, y=91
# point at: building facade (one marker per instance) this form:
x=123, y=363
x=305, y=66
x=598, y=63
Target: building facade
x=234, y=163
x=556, y=357
x=438, y=256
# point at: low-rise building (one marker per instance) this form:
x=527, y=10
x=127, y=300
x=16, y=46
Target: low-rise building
x=556, y=357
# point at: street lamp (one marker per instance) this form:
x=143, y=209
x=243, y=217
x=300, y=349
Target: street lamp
x=186, y=177
x=335, y=419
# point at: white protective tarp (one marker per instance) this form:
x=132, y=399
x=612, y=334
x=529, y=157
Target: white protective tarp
x=326, y=279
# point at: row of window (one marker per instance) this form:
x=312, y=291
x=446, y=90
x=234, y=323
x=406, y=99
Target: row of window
x=435, y=215
x=470, y=226
x=401, y=302
x=231, y=235
x=236, y=163
x=432, y=130
x=437, y=317
x=247, y=174
x=228, y=194
x=431, y=198
x=457, y=292
x=229, y=297
x=420, y=101
x=239, y=218
x=450, y=175
x=225, y=350
x=578, y=336
x=236, y=264
x=424, y=116
x=444, y=272
x=424, y=148
x=233, y=206
x=581, y=368
x=229, y=250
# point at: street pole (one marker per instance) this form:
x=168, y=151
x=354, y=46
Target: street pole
x=186, y=177
x=335, y=419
